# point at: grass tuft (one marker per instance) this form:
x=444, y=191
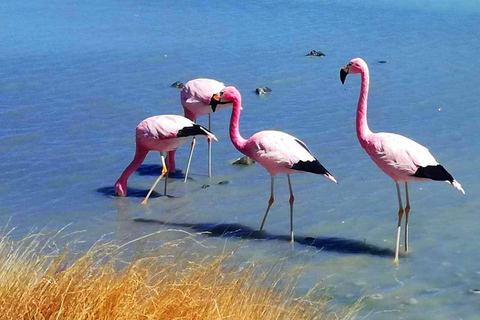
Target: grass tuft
x=38, y=282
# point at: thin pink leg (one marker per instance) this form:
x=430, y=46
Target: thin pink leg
x=407, y=211
x=209, y=148
x=270, y=202
x=164, y=172
x=292, y=199
x=399, y=226
x=194, y=142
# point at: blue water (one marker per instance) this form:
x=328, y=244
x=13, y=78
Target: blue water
x=76, y=77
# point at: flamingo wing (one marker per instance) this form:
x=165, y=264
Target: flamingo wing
x=172, y=126
x=278, y=151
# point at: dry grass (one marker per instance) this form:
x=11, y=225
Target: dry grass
x=37, y=282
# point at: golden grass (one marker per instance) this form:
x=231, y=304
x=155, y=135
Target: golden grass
x=37, y=282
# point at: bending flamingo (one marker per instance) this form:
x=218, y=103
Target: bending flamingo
x=276, y=151
x=200, y=97
x=161, y=133
x=402, y=159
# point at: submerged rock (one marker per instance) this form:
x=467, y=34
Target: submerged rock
x=315, y=53
x=224, y=182
x=244, y=161
x=262, y=90
x=475, y=291
x=382, y=61
x=177, y=84
x=205, y=186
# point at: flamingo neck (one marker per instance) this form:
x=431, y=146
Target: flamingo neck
x=238, y=141
x=363, y=131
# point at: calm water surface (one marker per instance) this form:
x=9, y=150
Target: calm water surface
x=76, y=77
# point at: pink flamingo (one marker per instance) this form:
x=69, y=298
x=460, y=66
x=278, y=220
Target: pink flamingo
x=402, y=159
x=276, y=151
x=200, y=97
x=161, y=133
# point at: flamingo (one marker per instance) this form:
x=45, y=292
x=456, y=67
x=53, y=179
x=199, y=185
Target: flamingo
x=276, y=151
x=200, y=97
x=161, y=133
x=401, y=158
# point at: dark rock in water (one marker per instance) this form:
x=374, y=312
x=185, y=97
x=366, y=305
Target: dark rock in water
x=205, y=186
x=262, y=90
x=382, y=61
x=223, y=182
x=244, y=161
x=177, y=84
x=315, y=53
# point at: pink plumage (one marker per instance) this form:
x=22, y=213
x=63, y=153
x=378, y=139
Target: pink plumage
x=159, y=133
x=198, y=98
x=277, y=151
x=401, y=158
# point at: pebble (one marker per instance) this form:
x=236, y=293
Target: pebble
x=315, y=53
x=205, y=186
x=223, y=182
x=177, y=84
x=244, y=161
x=382, y=61
x=262, y=90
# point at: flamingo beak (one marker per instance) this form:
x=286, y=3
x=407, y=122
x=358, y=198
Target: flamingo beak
x=344, y=73
x=215, y=101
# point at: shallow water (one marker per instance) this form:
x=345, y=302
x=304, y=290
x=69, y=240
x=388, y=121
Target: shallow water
x=77, y=77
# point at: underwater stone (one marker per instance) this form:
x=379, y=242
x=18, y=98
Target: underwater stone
x=244, y=161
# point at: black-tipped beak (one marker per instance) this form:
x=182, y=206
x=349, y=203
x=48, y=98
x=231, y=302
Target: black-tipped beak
x=343, y=75
x=215, y=100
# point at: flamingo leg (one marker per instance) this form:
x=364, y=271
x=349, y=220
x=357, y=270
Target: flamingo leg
x=194, y=142
x=270, y=202
x=166, y=176
x=164, y=171
x=209, y=148
x=399, y=227
x=291, y=200
x=407, y=211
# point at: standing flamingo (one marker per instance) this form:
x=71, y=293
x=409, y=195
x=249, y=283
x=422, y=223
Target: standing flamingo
x=161, y=133
x=200, y=97
x=401, y=158
x=276, y=151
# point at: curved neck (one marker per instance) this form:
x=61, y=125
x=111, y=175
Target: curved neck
x=238, y=141
x=362, y=124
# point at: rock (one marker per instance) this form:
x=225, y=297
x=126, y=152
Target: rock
x=177, y=84
x=475, y=291
x=315, y=53
x=205, y=186
x=223, y=182
x=244, y=161
x=382, y=61
x=262, y=90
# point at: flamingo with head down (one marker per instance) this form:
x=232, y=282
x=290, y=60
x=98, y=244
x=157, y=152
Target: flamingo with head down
x=160, y=133
x=276, y=151
x=401, y=158
x=200, y=97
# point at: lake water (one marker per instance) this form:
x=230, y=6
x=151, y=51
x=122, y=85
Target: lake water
x=76, y=77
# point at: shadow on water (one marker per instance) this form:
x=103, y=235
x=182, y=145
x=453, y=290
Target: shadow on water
x=131, y=192
x=236, y=230
x=156, y=170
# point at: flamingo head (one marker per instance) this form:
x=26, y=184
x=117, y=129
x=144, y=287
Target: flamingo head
x=231, y=94
x=357, y=65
